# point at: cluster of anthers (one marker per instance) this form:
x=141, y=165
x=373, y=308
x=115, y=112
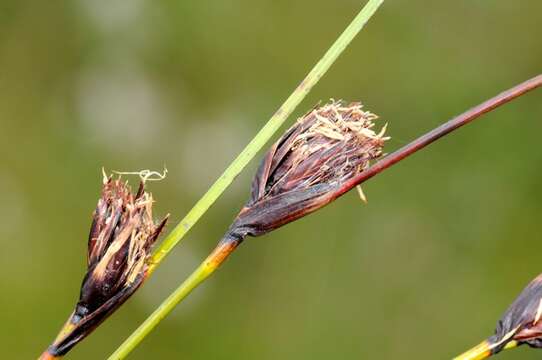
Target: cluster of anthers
x=346, y=133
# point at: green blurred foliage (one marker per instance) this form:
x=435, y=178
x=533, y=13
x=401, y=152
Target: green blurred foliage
x=448, y=239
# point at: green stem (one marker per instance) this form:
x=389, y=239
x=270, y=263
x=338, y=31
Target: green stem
x=202, y=272
x=264, y=134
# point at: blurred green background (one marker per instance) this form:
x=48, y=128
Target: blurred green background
x=448, y=239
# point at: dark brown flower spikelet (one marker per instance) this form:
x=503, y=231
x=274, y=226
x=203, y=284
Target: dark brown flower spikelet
x=306, y=168
x=522, y=321
x=121, y=236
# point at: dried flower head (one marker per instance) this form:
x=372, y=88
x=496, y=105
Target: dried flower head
x=121, y=236
x=520, y=324
x=522, y=320
x=309, y=166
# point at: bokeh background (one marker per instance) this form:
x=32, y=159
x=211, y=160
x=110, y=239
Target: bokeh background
x=448, y=239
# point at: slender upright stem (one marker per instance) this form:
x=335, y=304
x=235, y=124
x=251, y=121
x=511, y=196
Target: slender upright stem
x=479, y=352
x=224, y=249
x=483, y=350
x=202, y=272
x=265, y=133
x=47, y=356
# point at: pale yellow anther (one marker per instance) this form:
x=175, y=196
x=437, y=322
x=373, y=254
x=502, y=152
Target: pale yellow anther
x=383, y=130
x=361, y=194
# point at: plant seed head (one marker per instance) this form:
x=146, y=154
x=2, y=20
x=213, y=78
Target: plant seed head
x=522, y=321
x=121, y=236
x=306, y=167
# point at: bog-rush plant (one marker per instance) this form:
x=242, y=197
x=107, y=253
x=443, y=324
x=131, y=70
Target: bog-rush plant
x=520, y=324
x=71, y=334
x=324, y=155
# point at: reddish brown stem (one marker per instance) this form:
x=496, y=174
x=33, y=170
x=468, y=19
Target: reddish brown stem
x=442, y=130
